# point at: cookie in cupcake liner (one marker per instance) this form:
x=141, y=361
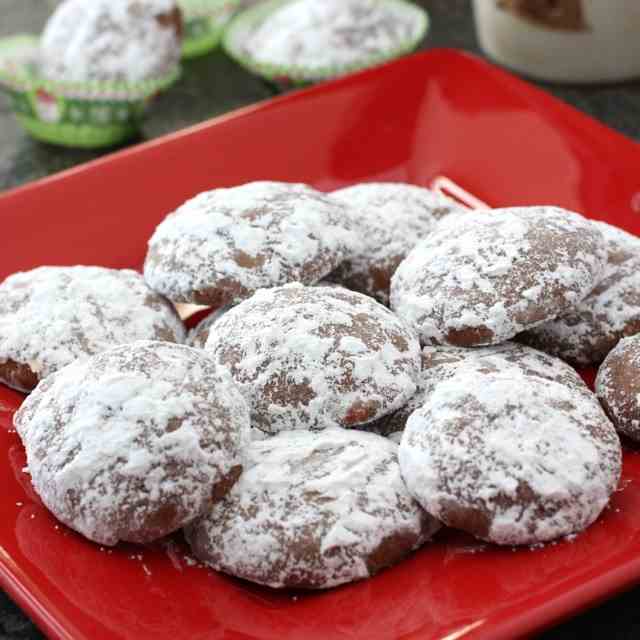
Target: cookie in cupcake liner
x=73, y=114
x=245, y=25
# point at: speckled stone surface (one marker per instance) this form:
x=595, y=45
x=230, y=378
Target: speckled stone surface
x=214, y=85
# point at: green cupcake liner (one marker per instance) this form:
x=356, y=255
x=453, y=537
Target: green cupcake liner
x=87, y=115
x=77, y=136
x=246, y=22
x=17, y=60
x=204, y=24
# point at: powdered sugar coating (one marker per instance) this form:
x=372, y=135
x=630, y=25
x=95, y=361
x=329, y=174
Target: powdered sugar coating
x=512, y=461
x=316, y=357
x=443, y=362
x=135, y=442
x=52, y=315
x=224, y=245
x=197, y=337
x=313, y=510
x=494, y=274
x=618, y=386
x=320, y=34
x=611, y=311
x=396, y=217
x=126, y=41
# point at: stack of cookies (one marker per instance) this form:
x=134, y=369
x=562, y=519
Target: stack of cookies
x=379, y=362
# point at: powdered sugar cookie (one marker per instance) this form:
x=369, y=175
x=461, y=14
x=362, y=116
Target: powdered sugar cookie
x=316, y=357
x=618, y=386
x=313, y=510
x=511, y=461
x=135, y=442
x=198, y=336
x=508, y=358
x=441, y=363
x=328, y=37
x=52, y=315
x=611, y=311
x=497, y=273
x=396, y=217
x=126, y=41
x=224, y=245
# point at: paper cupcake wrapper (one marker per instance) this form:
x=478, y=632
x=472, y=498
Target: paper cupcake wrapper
x=204, y=24
x=244, y=24
x=17, y=61
x=86, y=114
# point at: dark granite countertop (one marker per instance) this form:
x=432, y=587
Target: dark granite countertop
x=212, y=85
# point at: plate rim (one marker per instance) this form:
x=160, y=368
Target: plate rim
x=22, y=590
x=304, y=93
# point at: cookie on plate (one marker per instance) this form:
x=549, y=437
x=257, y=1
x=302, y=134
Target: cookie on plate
x=395, y=217
x=111, y=41
x=618, y=386
x=482, y=278
x=135, y=442
x=441, y=363
x=586, y=334
x=313, y=510
x=52, y=315
x=223, y=245
x=316, y=357
x=511, y=460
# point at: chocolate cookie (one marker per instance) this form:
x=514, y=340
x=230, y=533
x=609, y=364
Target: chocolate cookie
x=332, y=34
x=224, y=245
x=52, y=315
x=312, y=511
x=483, y=278
x=111, y=41
x=511, y=460
x=197, y=337
x=618, y=386
x=316, y=357
x=135, y=442
x=611, y=311
x=396, y=217
x=442, y=363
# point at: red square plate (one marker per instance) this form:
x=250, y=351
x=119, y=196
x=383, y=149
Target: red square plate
x=436, y=113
